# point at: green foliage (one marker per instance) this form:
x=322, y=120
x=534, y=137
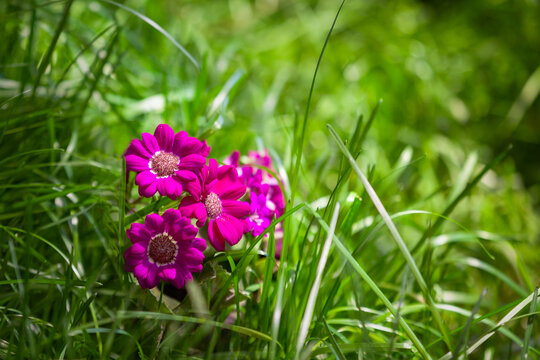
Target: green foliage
x=450, y=155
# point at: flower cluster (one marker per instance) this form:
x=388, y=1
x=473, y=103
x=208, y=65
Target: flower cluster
x=165, y=247
x=265, y=196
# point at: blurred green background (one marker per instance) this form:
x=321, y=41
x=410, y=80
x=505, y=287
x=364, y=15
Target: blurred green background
x=448, y=69
x=459, y=82
x=456, y=78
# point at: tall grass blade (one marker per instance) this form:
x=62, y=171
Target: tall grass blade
x=528, y=331
x=243, y=260
x=298, y=158
x=276, y=316
x=308, y=313
x=78, y=55
x=465, y=333
x=148, y=315
x=474, y=262
x=336, y=349
x=357, y=146
x=369, y=281
x=397, y=237
x=528, y=94
x=47, y=58
x=452, y=205
x=511, y=314
x=157, y=27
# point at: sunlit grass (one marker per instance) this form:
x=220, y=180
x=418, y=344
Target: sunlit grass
x=429, y=209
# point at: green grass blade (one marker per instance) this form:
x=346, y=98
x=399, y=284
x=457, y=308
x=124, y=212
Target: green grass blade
x=222, y=97
x=298, y=158
x=530, y=322
x=9, y=230
x=122, y=204
x=243, y=260
x=27, y=153
x=448, y=210
x=78, y=55
x=528, y=94
x=47, y=58
x=312, y=298
x=358, y=145
x=397, y=237
x=364, y=275
x=474, y=262
x=155, y=206
x=511, y=314
x=267, y=280
x=337, y=351
x=148, y=315
x=464, y=334
x=157, y=27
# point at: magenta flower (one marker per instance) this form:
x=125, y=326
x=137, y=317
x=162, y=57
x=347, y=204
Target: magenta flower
x=164, y=248
x=165, y=162
x=214, y=197
x=266, y=197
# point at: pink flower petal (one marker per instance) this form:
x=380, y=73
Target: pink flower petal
x=186, y=175
x=136, y=163
x=230, y=228
x=185, y=233
x=226, y=171
x=192, y=256
x=187, y=206
x=136, y=147
x=138, y=233
x=169, y=187
x=152, y=278
x=234, y=159
x=215, y=237
x=137, y=250
x=191, y=162
x=150, y=143
x=193, y=265
x=179, y=185
x=205, y=149
x=194, y=189
x=201, y=215
x=181, y=230
x=239, y=209
x=130, y=263
x=188, y=202
x=179, y=139
x=190, y=146
x=165, y=137
x=162, y=187
x=180, y=279
x=193, y=209
x=140, y=271
x=134, y=255
x=168, y=273
x=149, y=190
x=228, y=190
x=145, y=178
x=199, y=244
x=154, y=223
x=170, y=216
x=195, y=268
x=212, y=170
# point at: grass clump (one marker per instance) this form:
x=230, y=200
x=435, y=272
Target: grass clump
x=409, y=223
